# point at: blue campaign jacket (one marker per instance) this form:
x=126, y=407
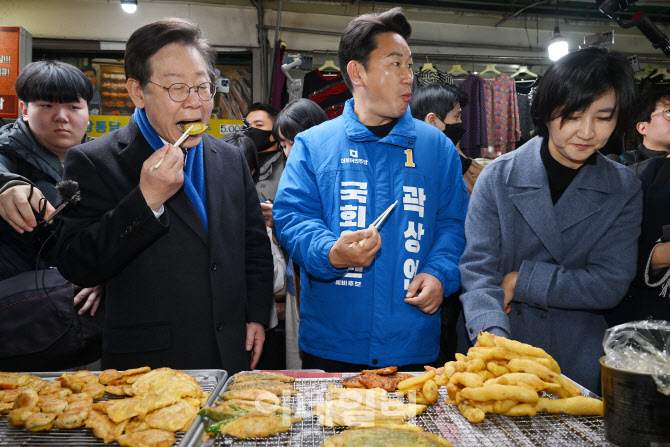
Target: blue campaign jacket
x=340, y=177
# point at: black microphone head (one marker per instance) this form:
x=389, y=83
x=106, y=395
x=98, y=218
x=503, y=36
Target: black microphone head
x=69, y=191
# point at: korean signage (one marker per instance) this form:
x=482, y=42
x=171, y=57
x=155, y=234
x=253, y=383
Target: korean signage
x=102, y=124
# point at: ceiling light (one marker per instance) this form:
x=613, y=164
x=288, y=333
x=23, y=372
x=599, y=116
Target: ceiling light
x=558, y=45
x=129, y=6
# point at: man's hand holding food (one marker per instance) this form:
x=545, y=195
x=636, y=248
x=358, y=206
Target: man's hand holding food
x=159, y=184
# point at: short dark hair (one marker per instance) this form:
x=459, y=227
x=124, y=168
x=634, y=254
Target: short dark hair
x=579, y=78
x=359, y=39
x=149, y=39
x=265, y=108
x=53, y=81
x=249, y=149
x=647, y=103
x=298, y=115
x=437, y=98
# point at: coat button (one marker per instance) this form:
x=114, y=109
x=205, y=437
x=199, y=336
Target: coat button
x=213, y=266
x=219, y=326
x=543, y=316
x=472, y=330
x=409, y=143
x=374, y=362
x=518, y=312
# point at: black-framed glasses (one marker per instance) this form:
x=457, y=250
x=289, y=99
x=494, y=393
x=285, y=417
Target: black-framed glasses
x=664, y=113
x=179, y=92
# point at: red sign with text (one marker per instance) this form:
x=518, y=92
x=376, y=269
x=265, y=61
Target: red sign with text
x=9, y=70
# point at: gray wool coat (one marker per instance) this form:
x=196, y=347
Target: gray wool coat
x=575, y=259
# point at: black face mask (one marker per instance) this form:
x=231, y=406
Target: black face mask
x=454, y=132
x=260, y=137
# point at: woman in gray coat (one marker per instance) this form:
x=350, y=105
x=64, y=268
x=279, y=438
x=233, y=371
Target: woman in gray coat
x=552, y=227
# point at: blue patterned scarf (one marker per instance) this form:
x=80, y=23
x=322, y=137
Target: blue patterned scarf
x=194, y=171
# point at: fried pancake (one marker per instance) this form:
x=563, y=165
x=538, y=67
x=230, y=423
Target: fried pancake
x=55, y=406
x=353, y=382
x=147, y=438
x=258, y=425
x=273, y=386
x=40, y=421
x=72, y=418
x=382, y=437
x=107, y=376
x=247, y=376
x=26, y=398
x=259, y=407
x=18, y=416
x=103, y=427
x=136, y=424
x=177, y=417
x=252, y=394
x=382, y=371
x=79, y=396
x=77, y=381
x=6, y=407
x=95, y=390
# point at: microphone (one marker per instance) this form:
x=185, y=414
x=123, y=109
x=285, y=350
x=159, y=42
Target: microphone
x=68, y=190
x=651, y=32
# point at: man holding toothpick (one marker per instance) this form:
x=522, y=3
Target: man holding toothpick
x=169, y=219
x=363, y=304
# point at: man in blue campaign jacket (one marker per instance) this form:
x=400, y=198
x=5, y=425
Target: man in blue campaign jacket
x=364, y=304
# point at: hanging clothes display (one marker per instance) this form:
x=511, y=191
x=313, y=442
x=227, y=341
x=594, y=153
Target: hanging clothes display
x=278, y=77
x=525, y=89
x=328, y=91
x=428, y=74
x=502, y=114
x=473, y=116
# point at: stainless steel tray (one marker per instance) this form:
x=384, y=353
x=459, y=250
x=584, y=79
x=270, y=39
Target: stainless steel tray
x=445, y=420
x=208, y=379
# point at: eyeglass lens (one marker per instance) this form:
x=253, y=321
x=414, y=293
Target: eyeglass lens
x=179, y=92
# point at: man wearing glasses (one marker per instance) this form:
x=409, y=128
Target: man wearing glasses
x=653, y=125
x=180, y=243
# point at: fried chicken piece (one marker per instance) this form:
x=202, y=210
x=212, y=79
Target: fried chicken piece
x=247, y=376
x=26, y=398
x=371, y=380
x=382, y=371
x=177, y=417
x=40, y=421
x=258, y=425
x=103, y=427
x=18, y=416
x=147, y=438
x=72, y=418
x=353, y=382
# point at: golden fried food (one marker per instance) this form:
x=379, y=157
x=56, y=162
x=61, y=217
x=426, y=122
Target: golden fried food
x=57, y=393
x=56, y=406
x=177, y=417
x=521, y=410
x=532, y=367
x=104, y=405
x=107, y=376
x=386, y=382
x=36, y=384
x=195, y=127
x=382, y=371
x=95, y=390
x=50, y=387
x=26, y=398
x=136, y=424
x=258, y=425
x=430, y=392
x=486, y=340
x=147, y=438
x=579, y=405
x=259, y=407
x=78, y=380
x=11, y=395
x=273, y=386
x=353, y=382
x=79, y=405
x=466, y=379
x=40, y=421
x=18, y=416
x=72, y=418
x=246, y=376
x=252, y=394
x=11, y=381
x=421, y=378
x=529, y=380
x=383, y=437
x=79, y=396
x=472, y=414
x=527, y=350
x=103, y=427
x=116, y=390
x=6, y=407
x=500, y=392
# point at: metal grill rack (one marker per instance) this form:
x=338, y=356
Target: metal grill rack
x=83, y=437
x=445, y=420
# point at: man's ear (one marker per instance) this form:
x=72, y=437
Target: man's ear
x=136, y=93
x=642, y=128
x=24, y=110
x=356, y=73
x=431, y=119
